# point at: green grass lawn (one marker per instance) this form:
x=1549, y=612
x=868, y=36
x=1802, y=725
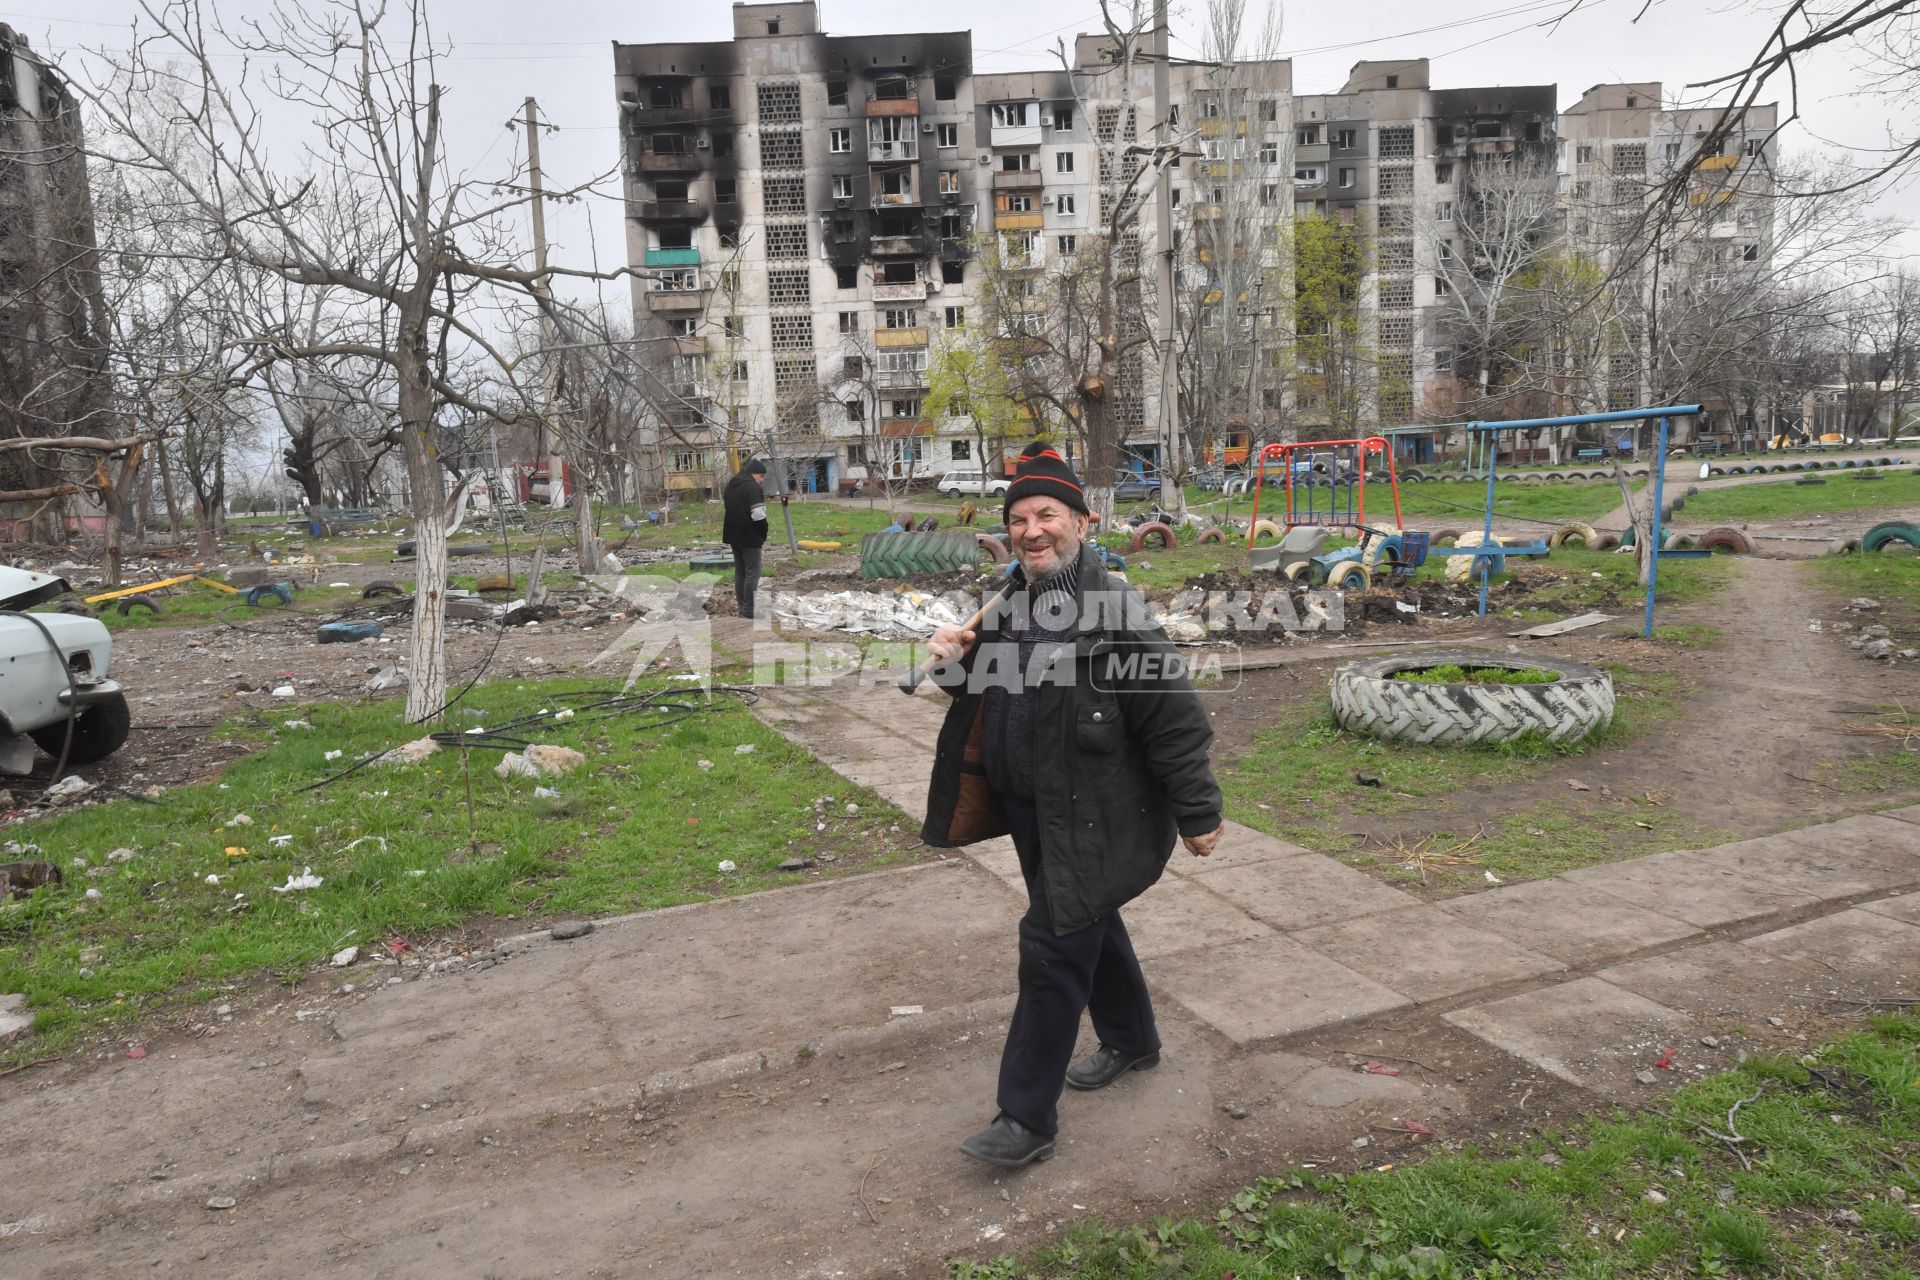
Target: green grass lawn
x=1298, y=781
x=1782, y=499
x=640, y=825
x=1831, y=1137
x=1891, y=577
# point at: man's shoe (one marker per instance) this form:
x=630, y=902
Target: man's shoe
x=1008, y=1143
x=1103, y=1066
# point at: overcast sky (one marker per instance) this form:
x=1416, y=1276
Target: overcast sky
x=558, y=51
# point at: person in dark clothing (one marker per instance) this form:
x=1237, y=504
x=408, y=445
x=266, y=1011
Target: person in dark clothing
x=1075, y=730
x=744, y=530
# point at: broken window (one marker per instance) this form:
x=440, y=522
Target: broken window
x=842, y=186
x=668, y=144
x=665, y=96
x=894, y=89
x=1063, y=116
x=1063, y=162
x=1068, y=245
x=897, y=184
x=722, y=144
x=953, y=226
x=675, y=237
x=1344, y=139
x=846, y=275
x=779, y=101
x=856, y=411
x=945, y=88
x=853, y=367
x=1015, y=115
x=836, y=93
x=1017, y=162
x=949, y=182
x=1016, y=203
x=720, y=97
x=849, y=322
x=953, y=272
x=907, y=272
x=1269, y=153
x=725, y=190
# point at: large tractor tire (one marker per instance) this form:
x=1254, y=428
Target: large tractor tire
x=902, y=555
x=1460, y=568
x=997, y=551
x=98, y=732
x=1882, y=536
x=1367, y=699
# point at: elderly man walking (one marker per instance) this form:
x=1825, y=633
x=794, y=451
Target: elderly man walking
x=1074, y=729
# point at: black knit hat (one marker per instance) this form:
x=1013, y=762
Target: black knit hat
x=1043, y=473
x=755, y=467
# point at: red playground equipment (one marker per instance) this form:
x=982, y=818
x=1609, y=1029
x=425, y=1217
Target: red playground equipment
x=1332, y=476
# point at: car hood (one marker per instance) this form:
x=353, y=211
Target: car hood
x=23, y=588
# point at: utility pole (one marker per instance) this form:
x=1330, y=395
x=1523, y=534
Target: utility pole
x=1172, y=497
x=556, y=461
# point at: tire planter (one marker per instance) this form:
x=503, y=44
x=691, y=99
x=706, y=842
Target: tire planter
x=348, y=632
x=900, y=555
x=1265, y=526
x=1213, y=535
x=1866, y=475
x=1680, y=542
x=1881, y=536
x=1566, y=533
x=1446, y=537
x=1462, y=566
x=1604, y=542
x=997, y=551
x=130, y=603
x=380, y=588
x=1367, y=699
x=1348, y=575
x=281, y=593
x=1735, y=541
x=1151, y=530
x=493, y=582
x=1811, y=480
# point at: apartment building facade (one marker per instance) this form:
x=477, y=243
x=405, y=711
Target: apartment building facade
x=803, y=211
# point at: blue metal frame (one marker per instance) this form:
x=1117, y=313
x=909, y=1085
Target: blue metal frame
x=1665, y=413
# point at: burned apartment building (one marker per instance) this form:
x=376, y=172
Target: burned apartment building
x=803, y=211
x=800, y=209
x=53, y=325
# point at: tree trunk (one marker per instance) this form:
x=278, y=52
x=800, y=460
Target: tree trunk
x=206, y=539
x=426, y=643
x=166, y=488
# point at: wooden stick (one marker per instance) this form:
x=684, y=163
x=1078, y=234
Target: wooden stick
x=909, y=682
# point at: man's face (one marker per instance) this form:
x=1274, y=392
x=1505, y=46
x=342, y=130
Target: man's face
x=1046, y=535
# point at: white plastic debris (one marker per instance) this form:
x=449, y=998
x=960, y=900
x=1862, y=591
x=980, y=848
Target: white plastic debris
x=1404, y=607
x=71, y=787
x=339, y=584
x=284, y=691
x=1492, y=878
x=852, y=808
x=744, y=749
x=905, y=1010
x=545, y=793
x=515, y=765
x=564, y=714
x=726, y=864
x=305, y=880
x=280, y=842
x=297, y=724
x=704, y=765
x=345, y=956
x=335, y=755
x=240, y=820
x=212, y=879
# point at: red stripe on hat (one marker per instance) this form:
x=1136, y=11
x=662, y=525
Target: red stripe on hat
x=1065, y=484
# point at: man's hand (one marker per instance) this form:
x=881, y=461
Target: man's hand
x=949, y=643
x=1201, y=846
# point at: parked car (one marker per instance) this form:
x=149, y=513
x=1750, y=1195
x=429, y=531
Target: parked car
x=1128, y=487
x=56, y=671
x=972, y=483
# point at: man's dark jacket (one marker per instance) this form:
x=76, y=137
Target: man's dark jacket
x=1127, y=769
x=743, y=493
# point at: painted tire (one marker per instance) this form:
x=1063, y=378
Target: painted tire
x=1145, y=531
x=1680, y=542
x=894, y=555
x=1566, y=533
x=1367, y=699
x=1726, y=539
x=996, y=550
x=1265, y=526
x=1298, y=570
x=1213, y=535
x=1881, y=536
x=348, y=632
x=1349, y=574
x=1604, y=542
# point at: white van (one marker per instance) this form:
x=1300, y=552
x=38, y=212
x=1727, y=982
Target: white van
x=972, y=483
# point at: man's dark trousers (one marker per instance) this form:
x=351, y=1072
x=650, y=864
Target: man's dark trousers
x=746, y=577
x=1092, y=969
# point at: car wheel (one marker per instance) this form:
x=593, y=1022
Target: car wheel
x=98, y=732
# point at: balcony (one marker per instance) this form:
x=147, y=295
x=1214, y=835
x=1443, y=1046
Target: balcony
x=895, y=200
x=901, y=379
x=1712, y=163
x=1017, y=180
x=915, y=291
x=897, y=152
x=1014, y=135
x=1315, y=151
x=1018, y=221
x=670, y=301
x=1216, y=127
x=672, y=258
x=669, y=162
x=892, y=246
x=645, y=117
x=690, y=346
x=894, y=339
x=667, y=210
x=893, y=107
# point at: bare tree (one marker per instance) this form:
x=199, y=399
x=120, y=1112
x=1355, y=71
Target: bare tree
x=425, y=273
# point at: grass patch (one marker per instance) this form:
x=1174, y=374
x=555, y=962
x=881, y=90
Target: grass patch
x=1891, y=578
x=1454, y=673
x=1784, y=499
x=1297, y=780
x=1443, y=505
x=1634, y=1197
x=640, y=825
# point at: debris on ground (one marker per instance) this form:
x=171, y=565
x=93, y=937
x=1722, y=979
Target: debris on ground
x=71, y=787
x=408, y=753
x=305, y=880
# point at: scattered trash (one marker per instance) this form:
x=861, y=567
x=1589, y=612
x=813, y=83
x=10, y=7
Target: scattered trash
x=1376, y=1068
x=236, y=851
x=704, y=765
x=888, y=614
x=1404, y=607
x=335, y=755
x=796, y=864
x=345, y=956
x=545, y=793
x=211, y=879
x=386, y=678
x=240, y=820
x=71, y=787
x=727, y=865
x=138, y=1051
x=905, y=1010
x=296, y=724
x=280, y=842
x=539, y=760
x=408, y=753
x=305, y=880
x=1492, y=878
x=1665, y=1059
x=744, y=749
x=564, y=714
x=284, y=691
x=120, y=855
x=1366, y=779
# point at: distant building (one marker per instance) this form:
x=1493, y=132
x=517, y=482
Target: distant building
x=53, y=325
